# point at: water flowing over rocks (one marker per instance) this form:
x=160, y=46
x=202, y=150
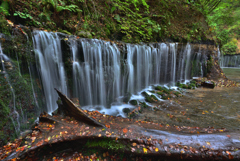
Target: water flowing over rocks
x=101, y=73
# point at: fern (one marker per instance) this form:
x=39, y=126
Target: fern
x=59, y=6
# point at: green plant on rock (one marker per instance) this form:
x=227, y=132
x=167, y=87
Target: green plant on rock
x=106, y=143
x=159, y=88
x=4, y=27
x=55, y=7
x=4, y=8
x=59, y=5
x=27, y=16
x=209, y=64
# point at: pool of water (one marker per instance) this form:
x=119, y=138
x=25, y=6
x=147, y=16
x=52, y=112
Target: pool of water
x=202, y=107
x=232, y=73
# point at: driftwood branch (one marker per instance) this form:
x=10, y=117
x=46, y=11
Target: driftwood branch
x=70, y=109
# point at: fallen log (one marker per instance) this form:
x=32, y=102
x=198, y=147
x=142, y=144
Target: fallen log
x=73, y=111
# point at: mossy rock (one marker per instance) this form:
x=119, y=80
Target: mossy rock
x=185, y=86
x=164, y=97
x=160, y=93
x=126, y=110
x=167, y=91
x=133, y=102
x=159, y=88
x=177, y=94
x=143, y=104
x=154, y=97
x=85, y=34
x=193, y=82
x=64, y=31
x=145, y=94
x=149, y=99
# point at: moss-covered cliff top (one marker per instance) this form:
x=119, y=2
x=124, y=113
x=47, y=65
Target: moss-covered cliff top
x=129, y=21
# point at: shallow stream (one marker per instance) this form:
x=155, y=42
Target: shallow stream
x=202, y=107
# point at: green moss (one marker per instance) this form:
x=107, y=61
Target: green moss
x=165, y=90
x=154, y=97
x=177, y=93
x=4, y=113
x=143, y=104
x=106, y=144
x=160, y=93
x=149, y=99
x=164, y=97
x=184, y=86
x=133, y=102
x=158, y=88
x=4, y=26
x=209, y=64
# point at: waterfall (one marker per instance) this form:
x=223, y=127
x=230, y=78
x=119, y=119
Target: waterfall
x=230, y=61
x=188, y=60
x=96, y=79
x=14, y=116
x=102, y=74
x=49, y=55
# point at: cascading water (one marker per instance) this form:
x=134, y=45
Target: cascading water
x=188, y=60
x=49, y=55
x=230, y=61
x=101, y=75
x=14, y=116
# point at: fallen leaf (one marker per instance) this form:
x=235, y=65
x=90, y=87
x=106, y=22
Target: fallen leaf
x=145, y=150
x=125, y=130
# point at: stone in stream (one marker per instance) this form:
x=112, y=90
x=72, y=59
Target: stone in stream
x=133, y=102
x=208, y=84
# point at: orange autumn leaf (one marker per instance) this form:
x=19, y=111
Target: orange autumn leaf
x=125, y=130
x=108, y=126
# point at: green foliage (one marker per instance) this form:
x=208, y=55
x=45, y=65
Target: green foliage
x=128, y=20
x=224, y=24
x=230, y=47
x=106, y=143
x=27, y=16
x=59, y=5
x=4, y=8
x=4, y=27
